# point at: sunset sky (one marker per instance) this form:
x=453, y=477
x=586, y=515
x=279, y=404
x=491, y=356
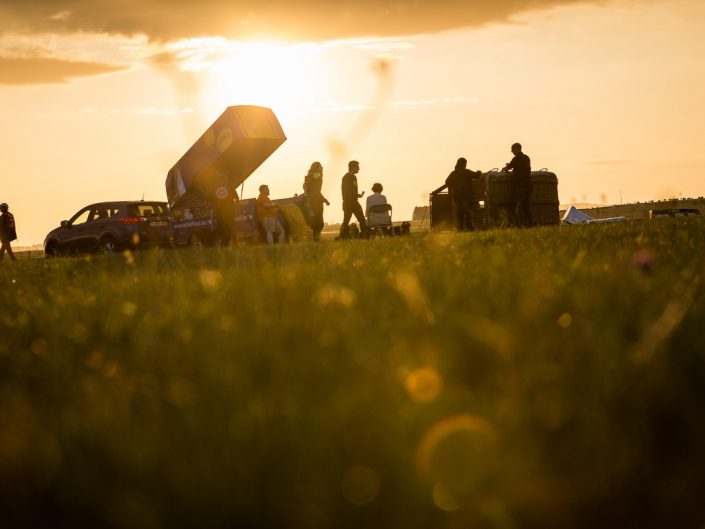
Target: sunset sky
x=101, y=97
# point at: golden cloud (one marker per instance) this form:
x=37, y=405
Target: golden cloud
x=169, y=20
x=43, y=70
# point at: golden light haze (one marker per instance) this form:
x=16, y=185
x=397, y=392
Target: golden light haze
x=608, y=95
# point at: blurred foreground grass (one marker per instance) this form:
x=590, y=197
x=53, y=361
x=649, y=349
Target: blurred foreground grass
x=537, y=378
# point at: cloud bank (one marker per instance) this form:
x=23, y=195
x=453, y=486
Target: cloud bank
x=44, y=70
x=169, y=20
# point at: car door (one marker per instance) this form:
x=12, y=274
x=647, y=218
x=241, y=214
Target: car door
x=74, y=230
x=96, y=226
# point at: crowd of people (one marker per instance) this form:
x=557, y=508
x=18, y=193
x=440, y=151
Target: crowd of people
x=312, y=203
x=377, y=210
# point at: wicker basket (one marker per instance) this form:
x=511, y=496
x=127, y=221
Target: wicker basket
x=479, y=189
x=501, y=192
x=545, y=187
x=546, y=214
x=479, y=219
x=499, y=188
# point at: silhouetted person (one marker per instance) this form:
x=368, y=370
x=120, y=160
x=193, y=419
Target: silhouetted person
x=267, y=215
x=459, y=184
x=375, y=199
x=225, y=202
x=377, y=218
x=7, y=232
x=521, y=186
x=351, y=206
x=313, y=183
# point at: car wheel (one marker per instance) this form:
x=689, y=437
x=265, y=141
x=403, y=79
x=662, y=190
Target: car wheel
x=52, y=250
x=108, y=245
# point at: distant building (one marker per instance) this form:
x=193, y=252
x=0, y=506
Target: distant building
x=421, y=214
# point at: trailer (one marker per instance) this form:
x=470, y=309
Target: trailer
x=202, y=186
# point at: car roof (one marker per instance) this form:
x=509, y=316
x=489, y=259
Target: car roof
x=119, y=203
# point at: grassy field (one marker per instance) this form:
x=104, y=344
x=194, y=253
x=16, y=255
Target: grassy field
x=552, y=377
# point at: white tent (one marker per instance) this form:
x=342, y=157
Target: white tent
x=574, y=216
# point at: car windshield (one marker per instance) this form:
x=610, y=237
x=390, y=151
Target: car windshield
x=146, y=209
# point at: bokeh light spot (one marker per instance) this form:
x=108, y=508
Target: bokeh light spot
x=335, y=295
x=360, y=485
x=210, y=279
x=39, y=346
x=443, y=499
x=424, y=385
x=565, y=320
x=94, y=361
x=129, y=309
x=129, y=257
x=460, y=452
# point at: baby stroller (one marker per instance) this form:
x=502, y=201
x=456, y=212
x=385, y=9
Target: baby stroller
x=379, y=220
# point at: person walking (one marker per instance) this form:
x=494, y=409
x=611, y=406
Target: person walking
x=267, y=215
x=459, y=184
x=8, y=232
x=522, y=186
x=351, y=206
x=313, y=185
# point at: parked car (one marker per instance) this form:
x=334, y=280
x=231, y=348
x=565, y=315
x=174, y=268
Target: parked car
x=675, y=212
x=111, y=227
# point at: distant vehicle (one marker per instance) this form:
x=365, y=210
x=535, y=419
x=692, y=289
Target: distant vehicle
x=678, y=212
x=201, y=187
x=109, y=227
x=195, y=222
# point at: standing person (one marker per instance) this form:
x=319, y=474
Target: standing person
x=7, y=232
x=225, y=202
x=522, y=186
x=351, y=206
x=459, y=184
x=313, y=183
x=267, y=215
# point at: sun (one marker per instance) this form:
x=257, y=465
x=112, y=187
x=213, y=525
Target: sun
x=282, y=77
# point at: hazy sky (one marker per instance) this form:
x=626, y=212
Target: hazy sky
x=100, y=98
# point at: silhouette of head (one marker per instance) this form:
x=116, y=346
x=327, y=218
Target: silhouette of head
x=3, y=207
x=516, y=148
x=353, y=166
x=377, y=188
x=316, y=167
x=264, y=189
x=462, y=163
